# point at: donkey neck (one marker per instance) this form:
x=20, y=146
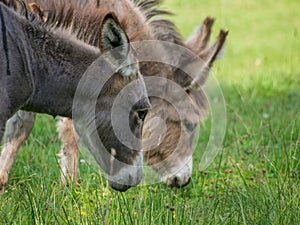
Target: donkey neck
x=42, y=67
x=60, y=62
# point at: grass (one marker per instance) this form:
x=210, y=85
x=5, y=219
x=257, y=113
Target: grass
x=253, y=180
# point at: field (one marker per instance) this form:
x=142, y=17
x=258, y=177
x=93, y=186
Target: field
x=255, y=179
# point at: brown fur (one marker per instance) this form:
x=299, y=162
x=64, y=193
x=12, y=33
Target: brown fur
x=69, y=150
x=199, y=41
x=75, y=14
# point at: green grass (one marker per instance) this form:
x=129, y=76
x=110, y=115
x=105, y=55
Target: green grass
x=253, y=180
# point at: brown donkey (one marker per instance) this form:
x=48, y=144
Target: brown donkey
x=175, y=170
x=52, y=68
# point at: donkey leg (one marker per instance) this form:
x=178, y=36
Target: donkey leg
x=4, y=116
x=69, y=151
x=18, y=129
x=3, y=175
x=2, y=128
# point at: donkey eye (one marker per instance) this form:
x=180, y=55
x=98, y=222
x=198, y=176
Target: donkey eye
x=190, y=126
x=142, y=114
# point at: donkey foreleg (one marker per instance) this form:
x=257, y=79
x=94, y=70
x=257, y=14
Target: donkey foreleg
x=17, y=131
x=2, y=128
x=69, y=151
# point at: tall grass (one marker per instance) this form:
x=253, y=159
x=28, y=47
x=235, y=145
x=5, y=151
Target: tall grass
x=255, y=177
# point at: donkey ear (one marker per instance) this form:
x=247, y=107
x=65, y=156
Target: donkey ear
x=115, y=43
x=201, y=68
x=198, y=41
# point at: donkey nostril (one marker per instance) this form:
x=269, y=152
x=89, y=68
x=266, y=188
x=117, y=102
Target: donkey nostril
x=176, y=180
x=178, y=183
x=142, y=114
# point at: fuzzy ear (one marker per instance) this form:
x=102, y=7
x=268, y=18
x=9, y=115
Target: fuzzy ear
x=198, y=41
x=114, y=42
x=202, y=68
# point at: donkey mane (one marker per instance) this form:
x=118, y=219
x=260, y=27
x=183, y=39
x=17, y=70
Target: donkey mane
x=163, y=29
x=83, y=21
x=21, y=8
x=83, y=18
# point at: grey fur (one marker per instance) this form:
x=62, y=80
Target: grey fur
x=41, y=67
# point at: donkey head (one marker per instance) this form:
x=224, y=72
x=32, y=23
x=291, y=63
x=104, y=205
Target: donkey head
x=171, y=155
x=116, y=103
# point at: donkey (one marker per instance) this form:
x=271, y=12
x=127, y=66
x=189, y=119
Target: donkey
x=177, y=169
x=170, y=156
x=43, y=69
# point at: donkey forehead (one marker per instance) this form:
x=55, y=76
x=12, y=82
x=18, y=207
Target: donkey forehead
x=181, y=113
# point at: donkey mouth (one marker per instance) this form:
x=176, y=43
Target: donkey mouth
x=127, y=177
x=120, y=185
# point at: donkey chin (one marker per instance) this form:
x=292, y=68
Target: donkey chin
x=128, y=176
x=180, y=175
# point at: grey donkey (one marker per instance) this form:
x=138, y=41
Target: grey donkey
x=42, y=68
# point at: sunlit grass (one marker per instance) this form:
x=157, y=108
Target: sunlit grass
x=254, y=179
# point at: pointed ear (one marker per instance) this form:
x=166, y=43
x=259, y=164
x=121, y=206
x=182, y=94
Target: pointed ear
x=198, y=41
x=114, y=42
x=201, y=68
